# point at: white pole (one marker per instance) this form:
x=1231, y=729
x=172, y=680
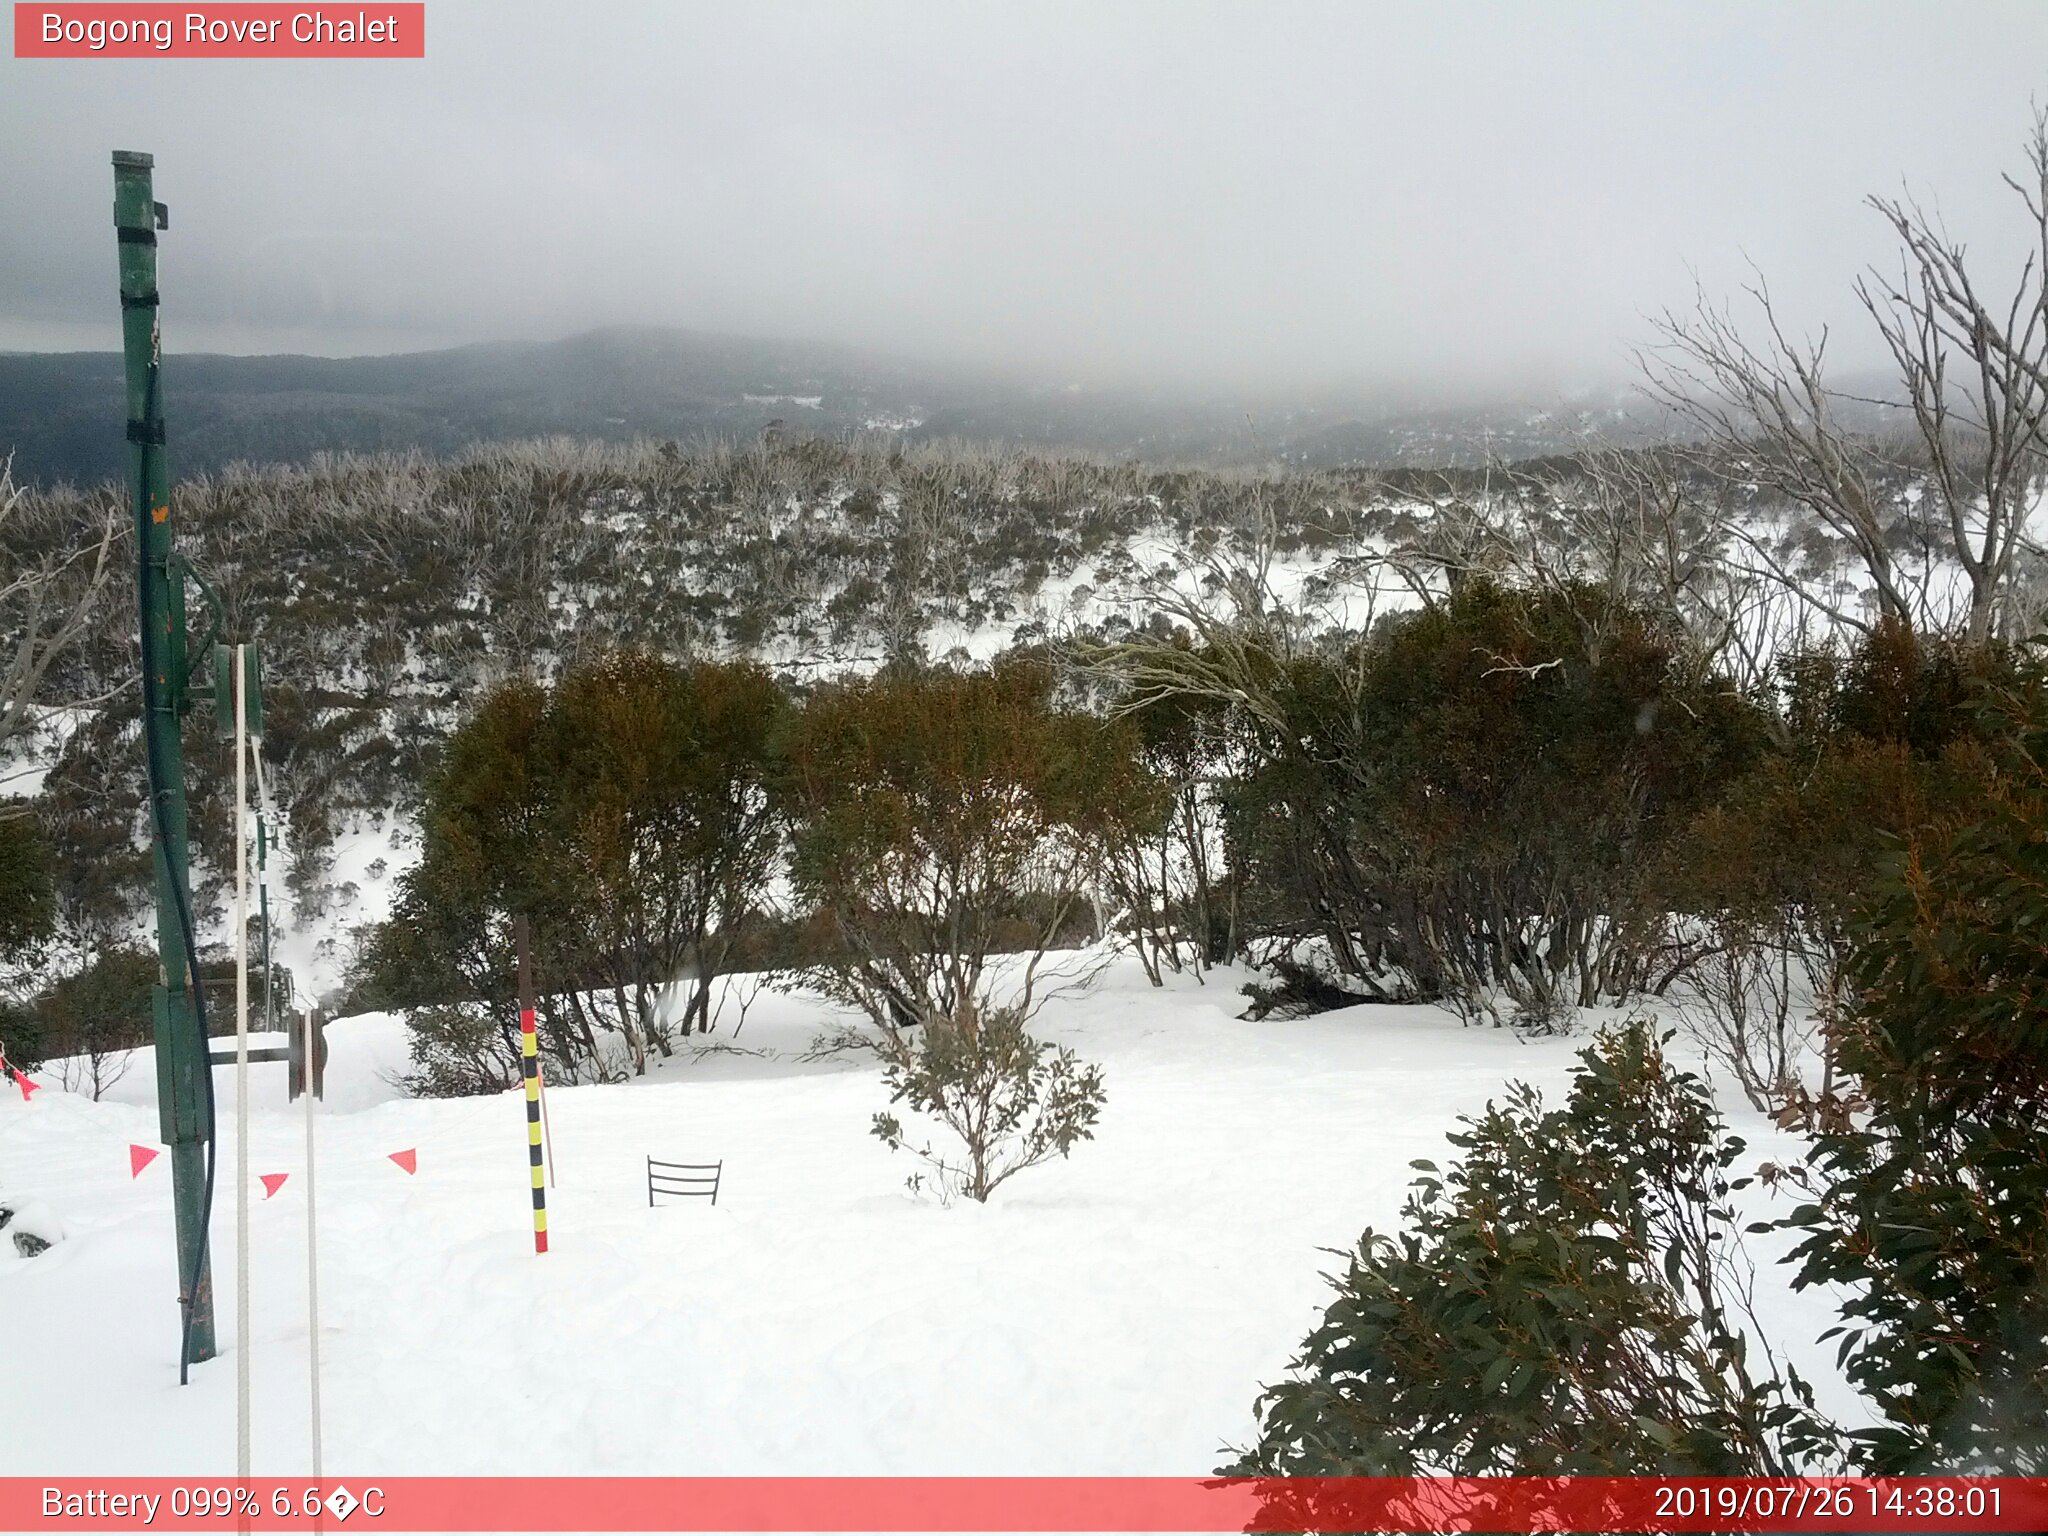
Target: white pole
x=241, y=1070
x=311, y=1038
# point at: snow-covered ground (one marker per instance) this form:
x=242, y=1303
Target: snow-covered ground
x=1114, y=1313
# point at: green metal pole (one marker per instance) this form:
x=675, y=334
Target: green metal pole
x=184, y=1099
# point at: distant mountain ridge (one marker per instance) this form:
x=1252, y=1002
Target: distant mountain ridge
x=61, y=413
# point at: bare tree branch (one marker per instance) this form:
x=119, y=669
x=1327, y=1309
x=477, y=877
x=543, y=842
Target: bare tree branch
x=45, y=606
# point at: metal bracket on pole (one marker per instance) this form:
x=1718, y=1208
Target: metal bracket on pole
x=259, y=1054
x=306, y=1046
x=224, y=689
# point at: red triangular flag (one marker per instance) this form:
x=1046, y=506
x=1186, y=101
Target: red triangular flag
x=26, y=1084
x=409, y=1159
x=139, y=1158
x=272, y=1183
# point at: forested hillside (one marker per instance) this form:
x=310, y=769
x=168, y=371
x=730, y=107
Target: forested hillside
x=60, y=414
x=389, y=592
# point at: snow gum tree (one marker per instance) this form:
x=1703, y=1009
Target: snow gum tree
x=1933, y=1212
x=624, y=813
x=1011, y=1101
x=1460, y=803
x=1971, y=363
x=944, y=827
x=1886, y=740
x=446, y=955
x=48, y=595
x=665, y=815
x=1170, y=881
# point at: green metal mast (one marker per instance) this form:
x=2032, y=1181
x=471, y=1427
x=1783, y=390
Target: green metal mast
x=184, y=1082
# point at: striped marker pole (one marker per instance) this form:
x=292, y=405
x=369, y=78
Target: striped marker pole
x=529, y=1055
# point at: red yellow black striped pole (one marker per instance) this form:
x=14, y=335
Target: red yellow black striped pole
x=529, y=1055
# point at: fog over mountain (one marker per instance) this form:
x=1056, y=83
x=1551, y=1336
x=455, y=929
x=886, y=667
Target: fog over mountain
x=1313, y=201
x=60, y=413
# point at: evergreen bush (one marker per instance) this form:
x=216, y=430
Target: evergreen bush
x=1012, y=1102
x=1566, y=1298
x=1462, y=805
x=1933, y=1211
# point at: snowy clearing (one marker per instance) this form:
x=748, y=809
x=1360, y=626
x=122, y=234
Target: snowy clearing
x=1114, y=1314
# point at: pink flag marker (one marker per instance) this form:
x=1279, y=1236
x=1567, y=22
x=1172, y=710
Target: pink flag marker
x=409, y=1159
x=139, y=1158
x=272, y=1183
x=26, y=1084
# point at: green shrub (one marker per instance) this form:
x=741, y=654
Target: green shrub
x=21, y=1037
x=624, y=813
x=458, y=1050
x=940, y=819
x=1934, y=1211
x=1012, y=1102
x=1564, y=1299
x=27, y=895
x=96, y=1017
x=943, y=828
x=1884, y=742
x=1462, y=804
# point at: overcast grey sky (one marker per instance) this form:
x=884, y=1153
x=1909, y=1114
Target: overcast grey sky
x=1404, y=195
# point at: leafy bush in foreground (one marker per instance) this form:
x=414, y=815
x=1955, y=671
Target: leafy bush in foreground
x=1935, y=1211
x=1565, y=1299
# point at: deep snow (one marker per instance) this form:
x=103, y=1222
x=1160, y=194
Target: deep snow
x=1112, y=1314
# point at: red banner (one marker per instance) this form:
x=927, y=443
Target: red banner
x=1017, y=1504
x=373, y=31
